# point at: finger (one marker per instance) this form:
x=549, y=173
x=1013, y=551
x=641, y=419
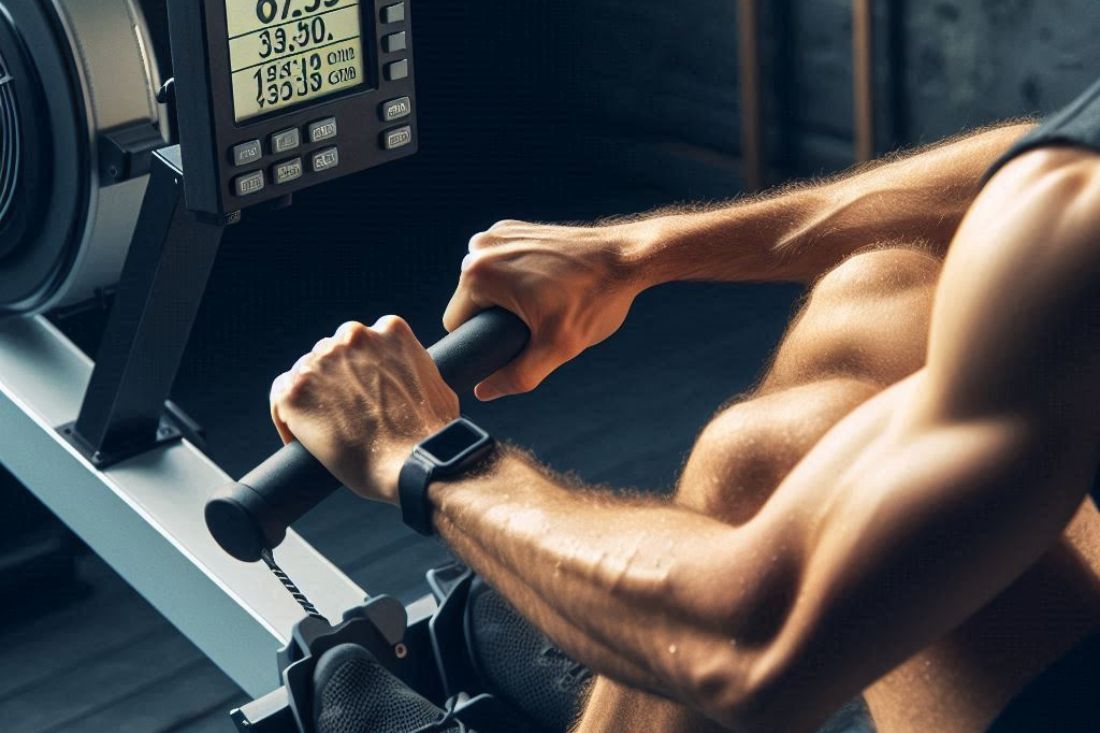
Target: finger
x=278, y=388
x=323, y=346
x=280, y=425
x=505, y=223
x=480, y=241
x=523, y=375
x=392, y=326
x=302, y=362
x=462, y=307
x=347, y=330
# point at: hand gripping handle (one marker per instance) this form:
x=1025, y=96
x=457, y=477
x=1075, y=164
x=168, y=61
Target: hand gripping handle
x=251, y=515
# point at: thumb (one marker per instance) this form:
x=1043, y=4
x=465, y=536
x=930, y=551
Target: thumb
x=462, y=307
x=523, y=375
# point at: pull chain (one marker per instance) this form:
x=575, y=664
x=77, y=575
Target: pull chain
x=292, y=588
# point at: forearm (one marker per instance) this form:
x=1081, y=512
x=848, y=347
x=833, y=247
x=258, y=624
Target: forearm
x=615, y=582
x=803, y=232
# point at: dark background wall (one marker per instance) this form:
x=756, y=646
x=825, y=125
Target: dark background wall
x=553, y=111
x=660, y=79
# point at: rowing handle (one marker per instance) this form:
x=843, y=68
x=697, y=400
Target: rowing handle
x=251, y=515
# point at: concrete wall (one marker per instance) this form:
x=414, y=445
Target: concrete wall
x=658, y=80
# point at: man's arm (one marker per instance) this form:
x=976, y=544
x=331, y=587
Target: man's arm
x=801, y=232
x=912, y=514
x=909, y=516
x=573, y=285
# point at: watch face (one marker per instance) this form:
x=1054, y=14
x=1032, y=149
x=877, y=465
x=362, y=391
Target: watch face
x=453, y=442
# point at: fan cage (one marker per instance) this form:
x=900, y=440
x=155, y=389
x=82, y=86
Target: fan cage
x=10, y=137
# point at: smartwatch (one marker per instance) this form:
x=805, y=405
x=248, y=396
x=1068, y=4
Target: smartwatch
x=452, y=452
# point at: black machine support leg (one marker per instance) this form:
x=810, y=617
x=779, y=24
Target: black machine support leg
x=158, y=296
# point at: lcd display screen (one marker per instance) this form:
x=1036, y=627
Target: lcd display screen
x=449, y=444
x=283, y=53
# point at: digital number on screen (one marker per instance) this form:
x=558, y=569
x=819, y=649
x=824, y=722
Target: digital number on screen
x=285, y=52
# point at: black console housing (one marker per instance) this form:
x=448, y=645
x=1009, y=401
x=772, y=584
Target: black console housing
x=232, y=163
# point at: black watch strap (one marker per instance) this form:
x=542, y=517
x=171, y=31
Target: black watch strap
x=412, y=492
x=454, y=451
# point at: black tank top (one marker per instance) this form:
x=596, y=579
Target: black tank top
x=1078, y=126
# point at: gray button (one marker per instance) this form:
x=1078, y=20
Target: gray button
x=397, y=70
x=393, y=13
x=326, y=159
x=398, y=138
x=249, y=183
x=396, y=109
x=286, y=140
x=395, y=42
x=322, y=130
x=247, y=153
x=287, y=171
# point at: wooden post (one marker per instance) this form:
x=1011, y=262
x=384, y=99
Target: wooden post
x=863, y=78
x=752, y=122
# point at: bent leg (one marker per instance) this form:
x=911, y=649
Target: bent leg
x=864, y=327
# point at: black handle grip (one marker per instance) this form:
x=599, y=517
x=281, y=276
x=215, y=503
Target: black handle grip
x=252, y=515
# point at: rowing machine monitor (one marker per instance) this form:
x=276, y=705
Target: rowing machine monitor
x=276, y=96
x=270, y=97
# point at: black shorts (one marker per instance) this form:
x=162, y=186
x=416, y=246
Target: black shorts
x=1065, y=698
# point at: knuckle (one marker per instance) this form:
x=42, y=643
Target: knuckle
x=481, y=240
x=352, y=332
x=278, y=386
x=393, y=326
x=477, y=270
x=303, y=361
x=294, y=394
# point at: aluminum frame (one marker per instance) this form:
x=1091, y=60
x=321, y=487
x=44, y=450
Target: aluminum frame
x=144, y=516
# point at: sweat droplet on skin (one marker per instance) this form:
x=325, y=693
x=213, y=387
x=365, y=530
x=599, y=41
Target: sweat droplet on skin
x=671, y=648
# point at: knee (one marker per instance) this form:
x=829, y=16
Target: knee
x=734, y=467
x=878, y=273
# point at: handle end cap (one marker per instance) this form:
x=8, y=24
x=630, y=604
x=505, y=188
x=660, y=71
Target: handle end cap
x=234, y=528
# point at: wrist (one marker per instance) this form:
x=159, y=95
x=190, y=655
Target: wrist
x=665, y=249
x=384, y=472
x=643, y=252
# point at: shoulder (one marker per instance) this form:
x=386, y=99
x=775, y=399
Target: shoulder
x=1017, y=318
x=1044, y=207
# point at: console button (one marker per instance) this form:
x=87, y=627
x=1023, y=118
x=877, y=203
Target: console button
x=247, y=153
x=396, y=109
x=326, y=159
x=397, y=70
x=285, y=141
x=394, y=13
x=322, y=130
x=397, y=138
x=287, y=171
x=249, y=183
x=395, y=42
